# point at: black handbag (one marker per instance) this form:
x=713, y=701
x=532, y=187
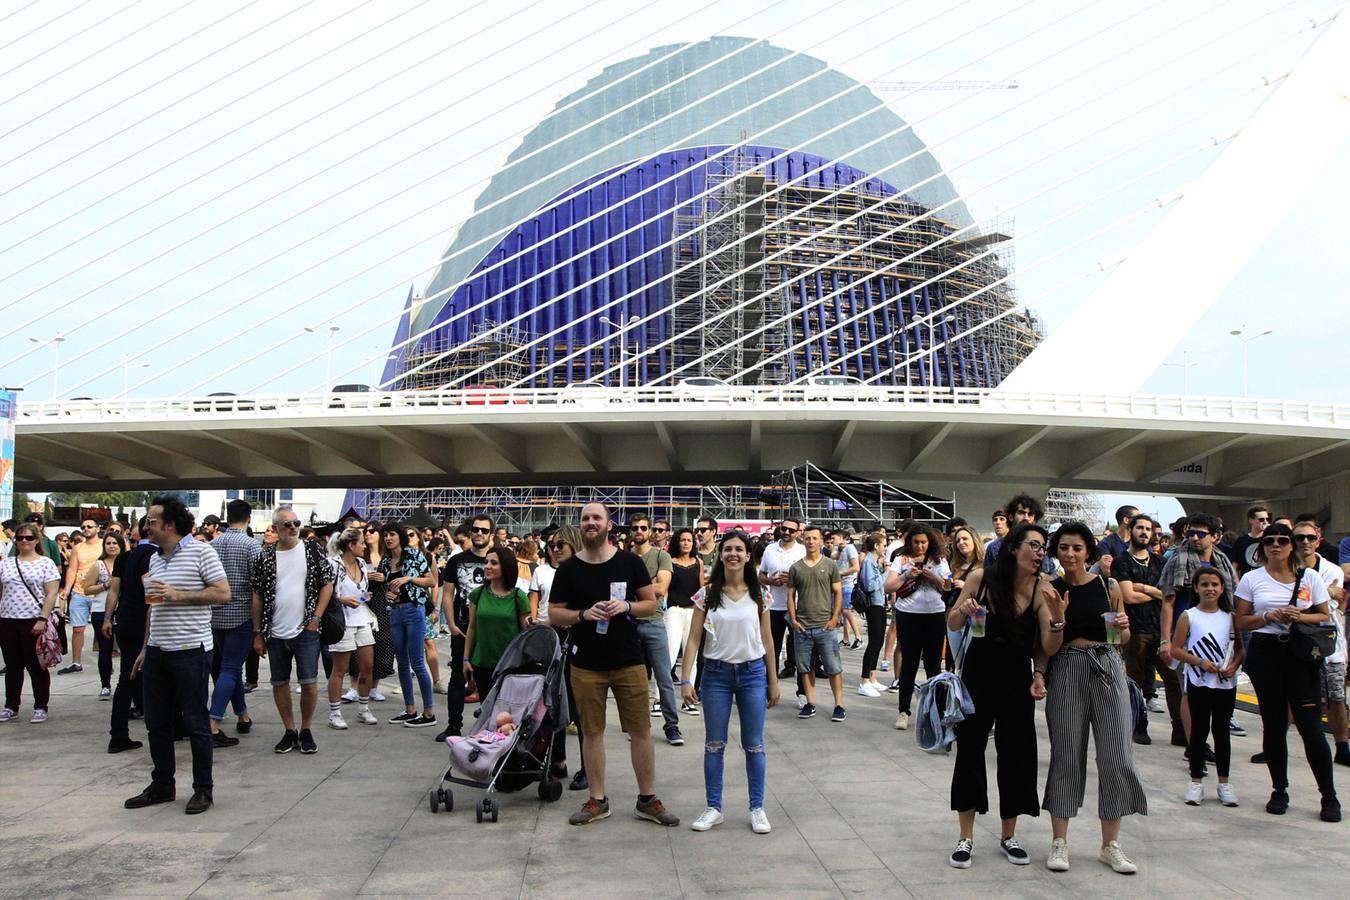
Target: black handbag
x=333, y=625
x=1310, y=643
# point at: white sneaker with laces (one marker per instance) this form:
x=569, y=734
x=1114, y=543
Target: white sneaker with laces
x=377, y=696
x=1155, y=705
x=902, y=722
x=759, y=821
x=710, y=818
x=865, y=689
x=105, y=693
x=1227, y=795
x=336, y=721
x=1115, y=857
x=6, y=714
x=39, y=716
x=801, y=700
x=1195, y=792
x=350, y=695
x=1058, y=861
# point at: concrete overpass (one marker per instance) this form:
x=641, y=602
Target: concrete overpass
x=1215, y=453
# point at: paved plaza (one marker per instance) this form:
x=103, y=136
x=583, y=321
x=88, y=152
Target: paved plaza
x=857, y=810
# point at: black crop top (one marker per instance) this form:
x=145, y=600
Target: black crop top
x=1020, y=632
x=1087, y=603
x=683, y=584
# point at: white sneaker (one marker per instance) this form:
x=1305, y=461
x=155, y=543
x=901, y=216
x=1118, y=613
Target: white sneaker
x=1058, y=861
x=6, y=714
x=1115, y=857
x=1195, y=792
x=350, y=695
x=335, y=720
x=377, y=696
x=366, y=717
x=801, y=700
x=105, y=693
x=1227, y=795
x=865, y=689
x=709, y=818
x=885, y=665
x=297, y=689
x=39, y=716
x=1155, y=705
x=902, y=722
x=759, y=822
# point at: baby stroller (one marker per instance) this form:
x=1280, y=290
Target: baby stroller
x=527, y=683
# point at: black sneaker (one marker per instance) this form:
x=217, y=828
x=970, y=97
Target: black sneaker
x=579, y=781
x=960, y=858
x=893, y=687
x=447, y=733
x=73, y=667
x=1331, y=809
x=243, y=726
x=307, y=744
x=403, y=717
x=221, y=739
x=1278, y=804
x=1259, y=758
x=806, y=711
x=1014, y=852
x=289, y=741
x=839, y=714
x=420, y=721
x=117, y=745
x=673, y=736
x=689, y=709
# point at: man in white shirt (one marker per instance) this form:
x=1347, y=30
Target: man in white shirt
x=1307, y=537
x=773, y=571
x=185, y=580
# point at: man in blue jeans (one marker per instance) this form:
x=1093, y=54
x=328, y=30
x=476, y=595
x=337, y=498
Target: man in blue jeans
x=652, y=629
x=232, y=624
x=292, y=584
x=185, y=579
x=815, y=603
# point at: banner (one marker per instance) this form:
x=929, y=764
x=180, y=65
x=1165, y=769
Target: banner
x=9, y=407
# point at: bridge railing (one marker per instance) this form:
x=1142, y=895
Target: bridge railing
x=481, y=399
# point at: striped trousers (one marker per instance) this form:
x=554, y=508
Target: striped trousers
x=1085, y=688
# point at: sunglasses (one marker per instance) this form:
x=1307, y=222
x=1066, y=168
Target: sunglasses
x=1197, y=534
x=662, y=530
x=558, y=545
x=1263, y=518
x=289, y=523
x=787, y=530
x=703, y=530
x=25, y=537
x=481, y=530
x=88, y=527
x=637, y=528
x=1278, y=540
x=1306, y=538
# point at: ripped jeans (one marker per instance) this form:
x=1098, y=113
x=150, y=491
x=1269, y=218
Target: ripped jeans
x=747, y=684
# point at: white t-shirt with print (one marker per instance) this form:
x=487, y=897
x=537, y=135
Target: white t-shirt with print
x=927, y=599
x=1265, y=594
x=289, y=612
x=19, y=581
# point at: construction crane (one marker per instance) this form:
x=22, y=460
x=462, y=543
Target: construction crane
x=890, y=86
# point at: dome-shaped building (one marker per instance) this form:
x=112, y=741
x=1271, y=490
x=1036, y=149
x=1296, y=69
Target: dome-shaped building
x=763, y=217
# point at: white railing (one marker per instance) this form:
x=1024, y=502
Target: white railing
x=961, y=402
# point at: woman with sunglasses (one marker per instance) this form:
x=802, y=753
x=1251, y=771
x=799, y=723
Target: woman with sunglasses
x=1086, y=690
x=739, y=669
x=352, y=590
x=686, y=580
x=1003, y=671
x=95, y=587
x=383, y=666
x=560, y=547
x=1269, y=600
x=406, y=578
x=430, y=611
x=28, y=587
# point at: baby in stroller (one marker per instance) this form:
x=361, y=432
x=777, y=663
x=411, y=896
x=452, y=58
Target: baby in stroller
x=505, y=726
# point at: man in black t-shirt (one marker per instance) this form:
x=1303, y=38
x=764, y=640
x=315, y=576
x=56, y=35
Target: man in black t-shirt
x=600, y=593
x=1243, y=551
x=1138, y=571
x=463, y=572
x=125, y=619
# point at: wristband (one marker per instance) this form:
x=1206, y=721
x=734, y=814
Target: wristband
x=686, y=683
x=1057, y=626
x=1162, y=644
x=1040, y=672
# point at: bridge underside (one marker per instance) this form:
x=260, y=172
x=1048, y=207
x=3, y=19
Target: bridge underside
x=973, y=449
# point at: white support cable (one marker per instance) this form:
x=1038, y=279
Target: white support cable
x=763, y=229
x=650, y=188
x=32, y=31
x=334, y=225
x=111, y=78
x=158, y=225
x=65, y=40
x=493, y=236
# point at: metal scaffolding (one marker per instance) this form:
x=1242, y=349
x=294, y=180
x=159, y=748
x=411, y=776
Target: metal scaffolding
x=837, y=499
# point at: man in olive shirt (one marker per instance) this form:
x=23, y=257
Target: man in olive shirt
x=815, y=603
x=652, y=629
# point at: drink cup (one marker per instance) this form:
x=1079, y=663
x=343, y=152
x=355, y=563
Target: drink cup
x=151, y=595
x=977, y=620
x=1112, y=629
x=602, y=626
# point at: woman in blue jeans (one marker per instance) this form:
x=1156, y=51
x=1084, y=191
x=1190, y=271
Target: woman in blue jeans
x=737, y=668
x=408, y=580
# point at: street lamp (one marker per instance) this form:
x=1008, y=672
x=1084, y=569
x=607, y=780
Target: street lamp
x=56, y=342
x=1185, y=366
x=932, y=328
x=623, y=349
x=1241, y=334
x=328, y=354
x=126, y=381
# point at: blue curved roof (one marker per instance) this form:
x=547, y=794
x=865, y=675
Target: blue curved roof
x=552, y=172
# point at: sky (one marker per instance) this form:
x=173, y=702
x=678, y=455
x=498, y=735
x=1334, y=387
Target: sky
x=185, y=186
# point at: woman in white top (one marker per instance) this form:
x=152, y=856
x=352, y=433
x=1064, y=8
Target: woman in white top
x=733, y=627
x=28, y=583
x=1206, y=641
x=95, y=587
x=1269, y=600
x=352, y=590
x=561, y=546
x=919, y=577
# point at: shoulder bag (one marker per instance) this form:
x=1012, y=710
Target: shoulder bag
x=1309, y=643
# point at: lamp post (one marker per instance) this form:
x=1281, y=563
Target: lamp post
x=623, y=349
x=328, y=354
x=932, y=329
x=1241, y=335
x=1185, y=366
x=127, y=365
x=55, y=341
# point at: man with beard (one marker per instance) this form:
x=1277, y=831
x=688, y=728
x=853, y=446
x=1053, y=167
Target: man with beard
x=463, y=573
x=1138, y=570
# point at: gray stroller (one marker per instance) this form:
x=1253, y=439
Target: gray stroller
x=527, y=683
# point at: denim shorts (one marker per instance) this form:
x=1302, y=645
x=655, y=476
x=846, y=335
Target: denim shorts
x=79, y=607
x=826, y=646
x=303, y=649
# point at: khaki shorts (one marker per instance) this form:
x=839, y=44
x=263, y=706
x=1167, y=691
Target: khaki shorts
x=591, y=689
x=355, y=636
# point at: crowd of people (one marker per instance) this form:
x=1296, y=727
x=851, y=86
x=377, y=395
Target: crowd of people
x=693, y=621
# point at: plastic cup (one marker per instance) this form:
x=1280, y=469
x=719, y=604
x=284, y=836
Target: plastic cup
x=151, y=597
x=977, y=620
x=1112, y=629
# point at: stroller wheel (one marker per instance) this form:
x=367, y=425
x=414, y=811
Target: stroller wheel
x=550, y=790
x=435, y=807
x=447, y=798
x=478, y=812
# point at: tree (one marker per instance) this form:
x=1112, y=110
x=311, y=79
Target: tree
x=110, y=499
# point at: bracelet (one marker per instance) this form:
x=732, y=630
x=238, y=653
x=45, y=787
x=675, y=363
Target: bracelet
x=1162, y=644
x=1040, y=672
x=630, y=607
x=686, y=683
x=1057, y=626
